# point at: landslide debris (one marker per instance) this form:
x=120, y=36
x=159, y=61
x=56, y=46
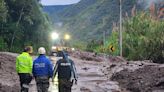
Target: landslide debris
x=90, y=56
x=9, y=81
x=150, y=78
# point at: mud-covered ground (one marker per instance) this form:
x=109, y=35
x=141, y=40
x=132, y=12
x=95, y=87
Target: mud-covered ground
x=9, y=81
x=96, y=74
x=150, y=78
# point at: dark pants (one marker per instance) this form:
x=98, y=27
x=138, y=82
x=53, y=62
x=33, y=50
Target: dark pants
x=25, y=79
x=65, y=85
x=42, y=83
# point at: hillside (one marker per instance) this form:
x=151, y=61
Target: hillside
x=53, y=11
x=88, y=19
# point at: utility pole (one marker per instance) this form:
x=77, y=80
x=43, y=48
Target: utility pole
x=120, y=32
x=104, y=45
x=104, y=38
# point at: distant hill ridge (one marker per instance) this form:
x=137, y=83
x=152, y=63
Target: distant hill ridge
x=88, y=19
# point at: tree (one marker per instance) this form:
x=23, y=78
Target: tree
x=3, y=11
x=26, y=24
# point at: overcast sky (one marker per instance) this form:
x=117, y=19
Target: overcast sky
x=58, y=2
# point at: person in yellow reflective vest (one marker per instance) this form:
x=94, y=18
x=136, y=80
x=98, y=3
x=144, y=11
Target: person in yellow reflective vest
x=24, y=65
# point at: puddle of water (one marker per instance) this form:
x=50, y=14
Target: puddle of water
x=110, y=85
x=53, y=87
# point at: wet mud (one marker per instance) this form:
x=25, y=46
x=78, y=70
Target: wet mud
x=110, y=74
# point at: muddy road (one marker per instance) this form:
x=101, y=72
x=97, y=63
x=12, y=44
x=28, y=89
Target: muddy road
x=92, y=78
x=96, y=74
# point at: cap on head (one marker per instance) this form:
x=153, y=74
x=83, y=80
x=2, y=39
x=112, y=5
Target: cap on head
x=41, y=50
x=28, y=49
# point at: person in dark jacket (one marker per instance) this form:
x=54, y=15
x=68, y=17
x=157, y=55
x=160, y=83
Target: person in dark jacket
x=42, y=71
x=66, y=70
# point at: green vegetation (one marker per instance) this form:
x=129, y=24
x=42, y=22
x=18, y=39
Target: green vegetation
x=87, y=20
x=22, y=23
x=143, y=39
x=110, y=46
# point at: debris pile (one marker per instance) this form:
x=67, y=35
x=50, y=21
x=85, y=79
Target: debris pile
x=9, y=81
x=147, y=79
x=89, y=56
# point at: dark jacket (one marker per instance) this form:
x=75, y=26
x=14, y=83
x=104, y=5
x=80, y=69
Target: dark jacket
x=65, y=69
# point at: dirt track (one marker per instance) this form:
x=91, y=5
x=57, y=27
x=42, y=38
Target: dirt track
x=96, y=76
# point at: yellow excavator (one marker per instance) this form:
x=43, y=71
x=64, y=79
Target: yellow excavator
x=55, y=49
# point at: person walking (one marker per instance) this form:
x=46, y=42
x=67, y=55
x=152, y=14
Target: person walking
x=66, y=70
x=24, y=68
x=42, y=70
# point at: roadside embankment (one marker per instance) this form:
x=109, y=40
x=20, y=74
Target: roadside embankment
x=9, y=81
x=141, y=77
